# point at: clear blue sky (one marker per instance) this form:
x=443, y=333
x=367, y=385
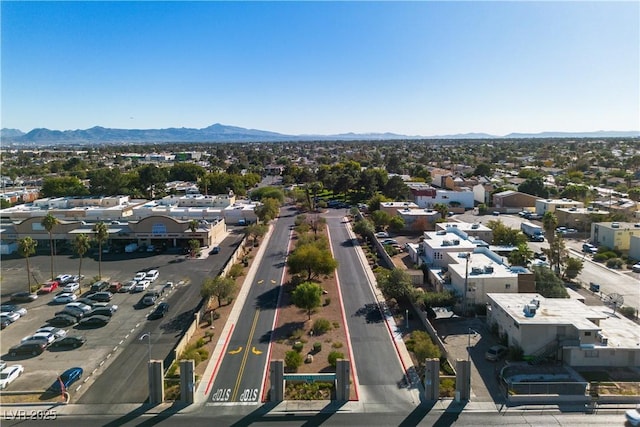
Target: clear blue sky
x=415, y=68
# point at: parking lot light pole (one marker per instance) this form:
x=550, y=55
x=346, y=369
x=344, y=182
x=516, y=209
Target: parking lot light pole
x=475, y=333
x=147, y=335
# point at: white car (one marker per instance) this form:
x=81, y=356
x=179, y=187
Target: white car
x=45, y=337
x=8, y=308
x=382, y=234
x=57, y=332
x=636, y=267
x=65, y=298
x=9, y=374
x=141, y=286
x=140, y=275
x=64, y=278
x=11, y=316
x=71, y=287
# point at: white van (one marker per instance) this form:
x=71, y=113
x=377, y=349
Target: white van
x=152, y=275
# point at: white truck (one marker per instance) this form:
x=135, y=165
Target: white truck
x=535, y=233
x=131, y=247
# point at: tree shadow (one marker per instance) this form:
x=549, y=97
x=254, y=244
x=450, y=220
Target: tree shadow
x=178, y=323
x=371, y=313
x=282, y=332
x=268, y=299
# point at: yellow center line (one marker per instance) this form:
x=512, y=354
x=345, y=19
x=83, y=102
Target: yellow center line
x=245, y=356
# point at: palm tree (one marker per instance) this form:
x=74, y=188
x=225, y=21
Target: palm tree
x=442, y=209
x=49, y=222
x=81, y=245
x=193, y=225
x=101, y=235
x=26, y=248
x=549, y=223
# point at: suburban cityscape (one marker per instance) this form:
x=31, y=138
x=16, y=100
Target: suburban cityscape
x=486, y=276
x=305, y=213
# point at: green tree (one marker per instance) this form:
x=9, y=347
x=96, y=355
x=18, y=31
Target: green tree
x=26, y=248
x=364, y=228
x=221, y=287
x=380, y=219
x=573, y=267
x=307, y=296
x=375, y=202
x=534, y=186
x=261, y=193
x=101, y=235
x=442, y=209
x=63, y=186
x=81, y=245
x=483, y=169
x=438, y=299
x=292, y=360
x=193, y=225
x=186, y=172
x=49, y=222
x=194, y=247
x=521, y=256
x=506, y=236
x=396, y=189
x=268, y=210
x=312, y=260
x=396, y=284
x=396, y=224
x=548, y=284
x=256, y=231
x=152, y=180
x=549, y=223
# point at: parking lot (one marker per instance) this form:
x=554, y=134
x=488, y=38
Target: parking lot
x=103, y=344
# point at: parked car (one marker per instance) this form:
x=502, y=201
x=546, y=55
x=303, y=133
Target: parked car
x=73, y=312
x=389, y=242
x=71, y=341
x=10, y=316
x=152, y=275
x=112, y=307
x=87, y=301
x=23, y=297
x=4, y=323
x=160, y=311
x=65, y=298
x=62, y=320
x=9, y=374
x=66, y=379
x=215, y=250
x=71, y=287
x=85, y=308
x=100, y=286
x=57, y=332
x=140, y=275
x=63, y=279
x=382, y=234
x=27, y=348
x=102, y=311
x=115, y=287
x=495, y=353
x=636, y=267
x=48, y=287
x=127, y=286
x=46, y=337
x=12, y=308
x=101, y=296
x=94, y=321
x=141, y=286
x=633, y=416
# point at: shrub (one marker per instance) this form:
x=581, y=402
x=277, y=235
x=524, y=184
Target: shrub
x=336, y=345
x=336, y=325
x=628, y=312
x=614, y=263
x=321, y=326
x=600, y=257
x=447, y=387
x=297, y=334
x=236, y=270
x=200, y=343
x=327, y=301
x=334, y=356
x=292, y=360
x=173, y=369
x=298, y=347
x=317, y=347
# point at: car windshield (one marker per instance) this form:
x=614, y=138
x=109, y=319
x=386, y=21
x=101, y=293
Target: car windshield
x=4, y=375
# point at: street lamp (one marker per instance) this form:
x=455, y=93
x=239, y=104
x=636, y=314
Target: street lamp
x=148, y=337
x=475, y=333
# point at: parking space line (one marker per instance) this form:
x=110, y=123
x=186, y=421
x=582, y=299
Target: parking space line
x=94, y=371
x=125, y=337
x=101, y=363
x=116, y=347
x=121, y=341
x=131, y=331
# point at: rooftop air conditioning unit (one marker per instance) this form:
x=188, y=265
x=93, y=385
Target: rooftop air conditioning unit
x=441, y=233
x=604, y=340
x=488, y=269
x=475, y=226
x=530, y=310
x=446, y=243
x=476, y=270
x=456, y=241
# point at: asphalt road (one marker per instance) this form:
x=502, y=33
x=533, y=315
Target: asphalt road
x=128, y=365
x=241, y=372
x=379, y=372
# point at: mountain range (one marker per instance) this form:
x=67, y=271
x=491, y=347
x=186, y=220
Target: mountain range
x=224, y=133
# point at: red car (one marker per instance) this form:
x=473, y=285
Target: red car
x=48, y=287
